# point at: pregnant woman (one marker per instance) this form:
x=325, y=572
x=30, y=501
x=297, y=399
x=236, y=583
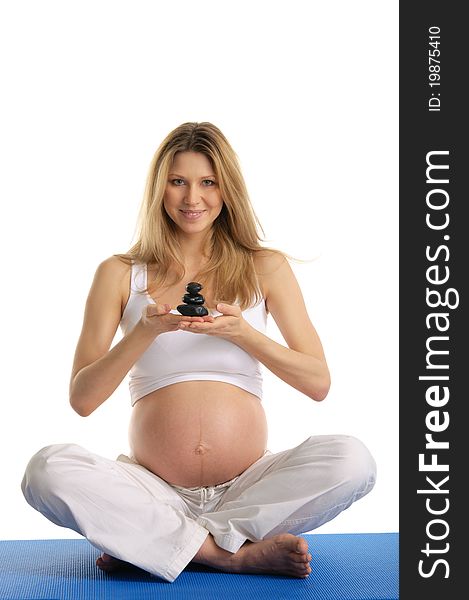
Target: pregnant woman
x=199, y=484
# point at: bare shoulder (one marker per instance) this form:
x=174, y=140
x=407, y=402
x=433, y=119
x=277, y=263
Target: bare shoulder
x=268, y=261
x=114, y=268
x=103, y=311
x=112, y=279
x=271, y=267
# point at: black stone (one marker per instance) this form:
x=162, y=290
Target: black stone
x=188, y=299
x=193, y=288
x=193, y=301
x=192, y=311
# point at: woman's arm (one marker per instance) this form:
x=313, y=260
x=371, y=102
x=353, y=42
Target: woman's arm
x=96, y=371
x=303, y=364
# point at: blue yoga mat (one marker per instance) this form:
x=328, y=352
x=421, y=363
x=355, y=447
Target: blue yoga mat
x=344, y=567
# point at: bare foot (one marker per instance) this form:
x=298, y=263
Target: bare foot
x=108, y=563
x=283, y=554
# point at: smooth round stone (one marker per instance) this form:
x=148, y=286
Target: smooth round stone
x=192, y=311
x=196, y=299
x=193, y=288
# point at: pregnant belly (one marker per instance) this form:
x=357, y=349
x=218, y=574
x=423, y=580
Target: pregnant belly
x=198, y=433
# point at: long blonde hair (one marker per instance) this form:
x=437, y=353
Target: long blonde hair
x=234, y=238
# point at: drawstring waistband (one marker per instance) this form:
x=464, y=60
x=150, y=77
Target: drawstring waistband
x=206, y=494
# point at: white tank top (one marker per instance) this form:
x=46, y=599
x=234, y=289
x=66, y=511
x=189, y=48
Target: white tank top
x=183, y=356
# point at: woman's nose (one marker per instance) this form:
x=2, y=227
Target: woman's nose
x=192, y=195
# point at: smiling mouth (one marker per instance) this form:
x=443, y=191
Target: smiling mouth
x=192, y=214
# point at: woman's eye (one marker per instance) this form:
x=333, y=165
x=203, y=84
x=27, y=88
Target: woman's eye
x=179, y=182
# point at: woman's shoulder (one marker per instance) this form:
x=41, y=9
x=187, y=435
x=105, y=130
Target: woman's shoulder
x=114, y=269
x=267, y=261
x=111, y=283
x=268, y=265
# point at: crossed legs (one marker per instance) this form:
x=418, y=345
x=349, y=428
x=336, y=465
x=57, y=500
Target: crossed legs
x=132, y=515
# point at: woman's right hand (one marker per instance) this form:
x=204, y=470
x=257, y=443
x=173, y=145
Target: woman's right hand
x=158, y=319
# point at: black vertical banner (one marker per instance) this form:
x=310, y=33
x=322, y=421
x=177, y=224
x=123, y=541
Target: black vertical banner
x=434, y=267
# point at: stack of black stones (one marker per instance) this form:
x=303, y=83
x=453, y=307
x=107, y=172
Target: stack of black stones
x=193, y=301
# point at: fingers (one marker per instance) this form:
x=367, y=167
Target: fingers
x=153, y=310
x=186, y=319
x=205, y=319
x=201, y=324
x=157, y=310
x=229, y=309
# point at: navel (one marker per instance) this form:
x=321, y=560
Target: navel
x=200, y=449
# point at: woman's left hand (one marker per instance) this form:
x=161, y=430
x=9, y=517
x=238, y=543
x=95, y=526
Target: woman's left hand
x=230, y=324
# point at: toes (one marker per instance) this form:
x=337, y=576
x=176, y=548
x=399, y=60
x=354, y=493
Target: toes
x=301, y=550
x=300, y=558
x=303, y=571
x=108, y=563
x=301, y=546
x=102, y=565
x=107, y=558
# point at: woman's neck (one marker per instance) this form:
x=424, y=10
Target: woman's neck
x=193, y=252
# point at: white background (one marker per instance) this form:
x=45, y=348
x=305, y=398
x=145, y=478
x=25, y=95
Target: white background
x=306, y=92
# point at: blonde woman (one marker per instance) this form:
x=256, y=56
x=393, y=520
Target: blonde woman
x=200, y=484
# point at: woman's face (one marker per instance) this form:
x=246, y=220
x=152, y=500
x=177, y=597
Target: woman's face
x=192, y=197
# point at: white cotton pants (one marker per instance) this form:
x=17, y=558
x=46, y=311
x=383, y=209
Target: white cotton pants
x=128, y=512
